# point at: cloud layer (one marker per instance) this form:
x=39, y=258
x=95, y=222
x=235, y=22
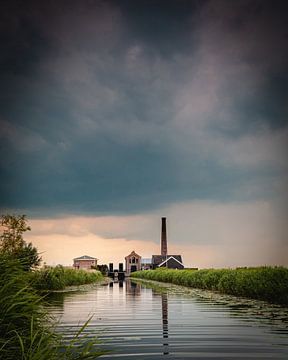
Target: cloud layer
x=114, y=114
x=111, y=108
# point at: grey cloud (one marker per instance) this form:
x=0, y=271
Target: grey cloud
x=130, y=120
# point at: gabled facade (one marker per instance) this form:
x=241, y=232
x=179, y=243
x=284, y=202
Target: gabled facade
x=84, y=262
x=133, y=263
x=172, y=262
x=169, y=261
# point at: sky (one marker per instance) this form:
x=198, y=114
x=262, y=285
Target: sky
x=116, y=113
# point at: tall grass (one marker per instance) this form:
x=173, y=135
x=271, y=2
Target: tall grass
x=26, y=330
x=57, y=278
x=262, y=283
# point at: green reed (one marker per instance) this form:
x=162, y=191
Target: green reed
x=57, y=278
x=27, y=332
x=262, y=283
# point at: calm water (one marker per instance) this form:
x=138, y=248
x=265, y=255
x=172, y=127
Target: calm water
x=137, y=321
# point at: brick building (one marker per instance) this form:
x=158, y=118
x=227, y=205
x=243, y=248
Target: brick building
x=133, y=263
x=84, y=262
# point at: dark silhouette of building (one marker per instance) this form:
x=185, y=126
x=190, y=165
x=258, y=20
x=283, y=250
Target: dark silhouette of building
x=164, y=249
x=169, y=261
x=116, y=274
x=165, y=260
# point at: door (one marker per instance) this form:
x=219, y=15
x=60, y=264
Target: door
x=133, y=268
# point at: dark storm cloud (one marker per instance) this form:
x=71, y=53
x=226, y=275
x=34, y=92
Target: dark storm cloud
x=111, y=106
x=165, y=26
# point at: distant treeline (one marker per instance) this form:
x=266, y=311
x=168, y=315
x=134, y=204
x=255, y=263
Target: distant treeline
x=262, y=283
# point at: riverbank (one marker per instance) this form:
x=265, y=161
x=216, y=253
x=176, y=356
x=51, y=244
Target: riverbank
x=59, y=278
x=259, y=311
x=262, y=283
x=27, y=331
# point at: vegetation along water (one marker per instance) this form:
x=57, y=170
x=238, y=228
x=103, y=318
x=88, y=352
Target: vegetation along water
x=27, y=331
x=262, y=283
x=58, y=278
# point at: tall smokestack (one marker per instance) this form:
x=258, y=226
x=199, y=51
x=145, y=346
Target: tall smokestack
x=163, y=238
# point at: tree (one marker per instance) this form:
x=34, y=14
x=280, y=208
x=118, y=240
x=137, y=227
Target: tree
x=13, y=244
x=103, y=268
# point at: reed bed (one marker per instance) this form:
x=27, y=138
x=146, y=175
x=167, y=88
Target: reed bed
x=57, y=278
x=26, y=330
x=262, y=283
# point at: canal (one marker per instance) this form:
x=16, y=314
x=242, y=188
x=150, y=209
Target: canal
x=142, y=321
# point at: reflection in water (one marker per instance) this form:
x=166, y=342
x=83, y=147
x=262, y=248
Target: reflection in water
x=133, y=288
x=132, y=320
x=165, y=323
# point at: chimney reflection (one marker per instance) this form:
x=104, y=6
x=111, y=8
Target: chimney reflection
x=134, y=290
x=165, y=323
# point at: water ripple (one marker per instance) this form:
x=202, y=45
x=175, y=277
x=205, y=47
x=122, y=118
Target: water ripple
x=149, y=322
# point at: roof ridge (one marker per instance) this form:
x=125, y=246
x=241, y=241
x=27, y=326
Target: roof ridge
x=85, y=257
x=170, y=257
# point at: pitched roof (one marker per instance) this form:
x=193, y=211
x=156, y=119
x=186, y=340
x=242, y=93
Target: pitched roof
x=169, y=258
x=133, y=253
x=85, y=257
x=158, y=259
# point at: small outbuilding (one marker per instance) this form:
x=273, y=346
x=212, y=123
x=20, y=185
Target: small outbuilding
x=146, y=264
x=85, y=262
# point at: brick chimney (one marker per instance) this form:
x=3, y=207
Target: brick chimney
x=164, y=250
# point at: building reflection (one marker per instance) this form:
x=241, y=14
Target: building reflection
x=132, y=288
x=165, y=323
x=119, y=282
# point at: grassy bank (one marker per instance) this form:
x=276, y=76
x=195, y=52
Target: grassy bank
x=26, y=330
x=57, y=278
x=262, y=283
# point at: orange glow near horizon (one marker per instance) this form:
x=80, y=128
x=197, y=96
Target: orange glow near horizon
x=207, y=235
